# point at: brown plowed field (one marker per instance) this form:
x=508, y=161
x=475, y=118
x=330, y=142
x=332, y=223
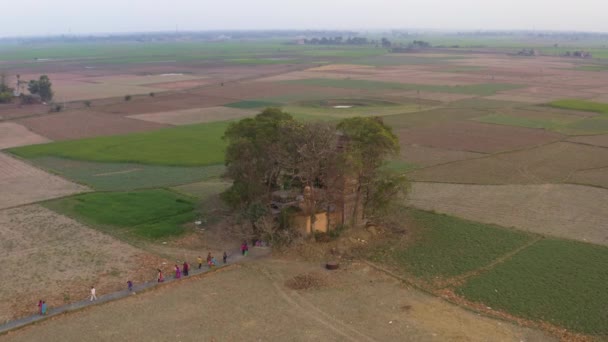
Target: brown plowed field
x=84, y=124
x=54, y=258
x=598, y=177
x=553, y=163
x=476, y=137
x=253, y=303
x=427, y=156
x=195, y=115
x=14, y=111
x=163, y=103
x=597, y=140
x=21, y=183
x=563, y=210
x=13, y=135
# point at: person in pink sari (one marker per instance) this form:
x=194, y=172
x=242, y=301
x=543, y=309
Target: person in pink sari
x=178, y=272
x=160, y=276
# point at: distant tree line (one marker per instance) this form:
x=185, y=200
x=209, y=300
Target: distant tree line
x=339, y=40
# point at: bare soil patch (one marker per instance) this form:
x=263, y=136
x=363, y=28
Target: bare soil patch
x=195, y=115
x=427, y=156
x=476, y=137
x=434, y=96
x=563, y=210
x=597, y=140
x=84, y=123
x=553, y=163
x=597, y=177
x=22, y=183
x=163, y=103
x=14, y=110
x=251, y=300
x=13, y=135
x=180, y=84
x=51, y=257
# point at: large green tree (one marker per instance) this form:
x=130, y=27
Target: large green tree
x=369, y=143
x=41, y=87
x=252, y=156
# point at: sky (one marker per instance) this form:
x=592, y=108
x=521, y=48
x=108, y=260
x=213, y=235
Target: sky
x=35, y=17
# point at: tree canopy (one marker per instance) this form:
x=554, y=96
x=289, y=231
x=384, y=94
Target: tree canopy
x=273, y=151
x=41, y=87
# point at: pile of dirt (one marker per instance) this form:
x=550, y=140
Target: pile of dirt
x=307, y=281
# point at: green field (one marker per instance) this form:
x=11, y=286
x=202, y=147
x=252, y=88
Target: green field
x=148, y=214
x=203, y=190
x=357, y=107
x=446, y=246
x=194, y=145
x=127, y=176
x=558, y=281
x=477, y=89
x=575, y=104
x=403, y=59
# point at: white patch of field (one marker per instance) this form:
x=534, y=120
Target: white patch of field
x=22, y=183
x=13, y=135
x=195, y=115
x=563, y=210
x=342, y=107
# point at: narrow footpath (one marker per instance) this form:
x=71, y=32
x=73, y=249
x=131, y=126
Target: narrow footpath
x=235, y=258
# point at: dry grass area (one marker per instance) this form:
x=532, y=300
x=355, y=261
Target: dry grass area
x=553, y=163
x=13, y=135
x=252, y=302
x=597, y=177
x=195, y=115
x=428, y=156
x=476, y=137
x=51, y=257
x=85, y=123
x=22, y=183
x=563, y=210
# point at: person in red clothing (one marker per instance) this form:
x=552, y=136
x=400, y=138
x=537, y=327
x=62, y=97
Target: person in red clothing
x=185, y=268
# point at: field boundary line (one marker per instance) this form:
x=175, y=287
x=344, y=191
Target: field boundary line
x=459, y=280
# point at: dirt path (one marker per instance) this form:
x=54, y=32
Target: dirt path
x=252, y=302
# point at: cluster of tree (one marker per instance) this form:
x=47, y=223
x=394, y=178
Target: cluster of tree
x=40, y=90
x=579, y=54
x=415, y=45
x=337, y=41
x=6, y=92
x=273, y=151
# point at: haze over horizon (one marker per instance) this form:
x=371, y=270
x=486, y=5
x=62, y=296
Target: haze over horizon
x=120, y=16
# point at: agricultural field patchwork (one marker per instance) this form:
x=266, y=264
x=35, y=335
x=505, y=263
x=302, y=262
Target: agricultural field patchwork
x=561, y=210
x=195, y=145
x=84, y=124
x=556, y=281
x=13, y=135
x=63, y=258
x=477, y=89
x=575, y=104
x=126, y=176
x=559, y=162
x=22, y=183
x=195, y=115
x=446, y=246
x=475, y=137
x=148, y=214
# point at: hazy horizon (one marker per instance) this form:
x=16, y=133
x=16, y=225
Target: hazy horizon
x=119, y=16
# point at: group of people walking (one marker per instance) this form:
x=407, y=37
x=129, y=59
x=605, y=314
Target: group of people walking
x=185, y=270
